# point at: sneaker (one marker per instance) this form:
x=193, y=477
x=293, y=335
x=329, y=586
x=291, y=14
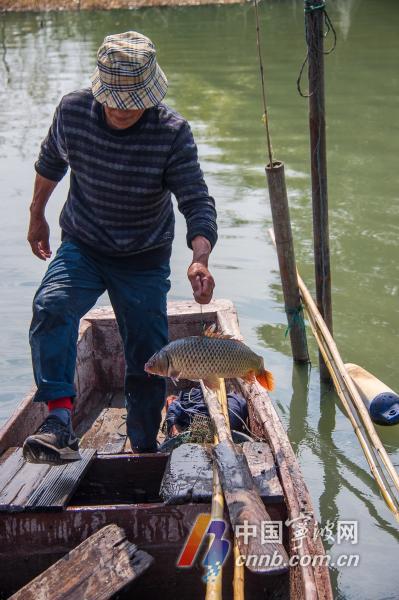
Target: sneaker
x=53, y=444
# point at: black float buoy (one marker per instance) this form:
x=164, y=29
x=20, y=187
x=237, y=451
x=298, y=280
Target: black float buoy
x=380, y=400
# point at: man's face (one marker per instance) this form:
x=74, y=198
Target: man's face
x=119, y=118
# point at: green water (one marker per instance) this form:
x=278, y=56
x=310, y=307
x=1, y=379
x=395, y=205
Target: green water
x=209, y=55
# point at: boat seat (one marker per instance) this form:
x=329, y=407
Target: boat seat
x=189, y=474
x=25, y=486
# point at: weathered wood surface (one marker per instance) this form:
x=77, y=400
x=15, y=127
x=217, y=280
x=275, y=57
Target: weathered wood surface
x=286, y=258
x=263, y=470
x=26, y=486
x=314, y=20
x=108, y=433
x=242, y=498
x=245, y=507
x=189, y=474
x=100, y=364
x=29, y=415
x=41, y=536
x=101, y=566
x=24, y=5
x=307, y=582
x=30, y=543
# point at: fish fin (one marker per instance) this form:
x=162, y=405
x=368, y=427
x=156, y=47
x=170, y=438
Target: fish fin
x=266, y=379
x=211, y=382
x=250, y=377
x=174, y=376
x=212, y=332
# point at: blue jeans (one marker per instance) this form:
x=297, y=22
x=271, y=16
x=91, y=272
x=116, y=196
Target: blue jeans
x=71, y=286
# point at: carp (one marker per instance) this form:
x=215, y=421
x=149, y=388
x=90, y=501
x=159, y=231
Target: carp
x=209, y=357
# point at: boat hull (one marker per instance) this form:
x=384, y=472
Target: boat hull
x=123, y=488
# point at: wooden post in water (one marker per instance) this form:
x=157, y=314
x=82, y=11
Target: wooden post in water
x=314, y=25
x=286, y=259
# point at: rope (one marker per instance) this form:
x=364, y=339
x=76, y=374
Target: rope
x=311, y=7
x=294, y=317
x=265, y=117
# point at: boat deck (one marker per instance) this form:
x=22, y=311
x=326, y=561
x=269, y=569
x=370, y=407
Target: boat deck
x=105, y=429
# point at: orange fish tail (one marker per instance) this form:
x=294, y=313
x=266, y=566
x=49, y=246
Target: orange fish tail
x=266, y=379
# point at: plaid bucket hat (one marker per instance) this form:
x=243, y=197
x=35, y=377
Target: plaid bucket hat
x=127, y=74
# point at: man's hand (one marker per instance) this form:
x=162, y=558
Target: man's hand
x=39, y=236
x=202, y=282
x=198, y=273
x=39, y=231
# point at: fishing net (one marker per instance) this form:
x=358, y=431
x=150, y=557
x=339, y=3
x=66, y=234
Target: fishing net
x=200, y=431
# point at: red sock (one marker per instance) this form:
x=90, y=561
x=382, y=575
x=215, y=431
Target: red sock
x=60, y=403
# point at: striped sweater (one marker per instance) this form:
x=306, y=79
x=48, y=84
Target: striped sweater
x=119, y=201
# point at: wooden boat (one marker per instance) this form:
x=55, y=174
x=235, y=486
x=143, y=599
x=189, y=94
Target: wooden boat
x=47, y=511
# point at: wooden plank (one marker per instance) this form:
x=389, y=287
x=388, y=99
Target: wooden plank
x=188, y=475
x=59, y=484
x=31, y=486
x=7, y=453
x=101, y=566
x=263, y=470
x=108, y=432
x=10, y=467
x=16, y=493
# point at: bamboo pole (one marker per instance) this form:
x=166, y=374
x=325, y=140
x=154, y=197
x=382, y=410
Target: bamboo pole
x=351, y=401
x=238, y=580
x=344, y=380
x=214, y=587
x=286, y=259
x=317, y=128
x=350, y=410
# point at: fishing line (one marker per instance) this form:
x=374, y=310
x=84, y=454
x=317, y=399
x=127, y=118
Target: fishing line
x=265, y=117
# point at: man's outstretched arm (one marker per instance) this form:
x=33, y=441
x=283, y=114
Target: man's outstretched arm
x=198, y=273
x=185, y=179
x=39, y=231
x=51, y=167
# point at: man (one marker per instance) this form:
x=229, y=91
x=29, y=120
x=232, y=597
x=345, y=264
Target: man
x=127, y=152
